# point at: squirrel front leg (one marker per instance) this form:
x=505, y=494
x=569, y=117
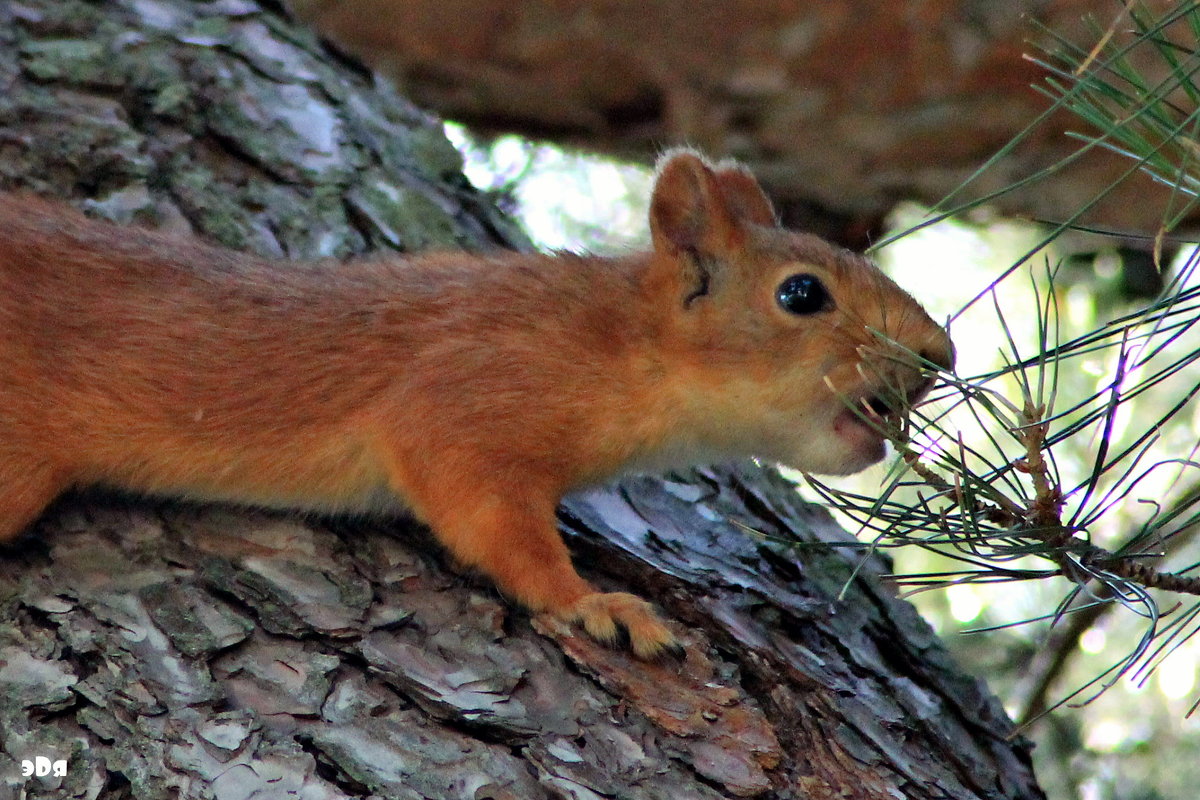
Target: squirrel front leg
x=512, y=538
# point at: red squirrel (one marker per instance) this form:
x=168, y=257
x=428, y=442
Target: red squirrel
x=471, y=390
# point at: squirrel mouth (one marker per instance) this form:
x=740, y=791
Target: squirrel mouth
x=875, y=413
x=864, y=422
x=868, y=420
x=862, y=429
x=876, y=407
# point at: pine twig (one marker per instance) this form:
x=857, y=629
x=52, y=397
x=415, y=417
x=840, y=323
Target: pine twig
x=1041, y=518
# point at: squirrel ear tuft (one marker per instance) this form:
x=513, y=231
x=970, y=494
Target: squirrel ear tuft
x=744, y=195
x=688, y=208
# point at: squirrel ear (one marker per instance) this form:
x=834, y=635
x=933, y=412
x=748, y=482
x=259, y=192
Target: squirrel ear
x=688, y=208
x=744, y=195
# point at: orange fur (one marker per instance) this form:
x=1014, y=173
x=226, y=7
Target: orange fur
x=475, y=390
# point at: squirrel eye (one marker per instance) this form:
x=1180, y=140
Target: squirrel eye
x=802, y=294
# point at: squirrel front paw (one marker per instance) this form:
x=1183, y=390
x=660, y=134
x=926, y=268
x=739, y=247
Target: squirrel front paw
x=619, y=618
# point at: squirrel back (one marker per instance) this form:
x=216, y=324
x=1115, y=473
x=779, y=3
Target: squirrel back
x=474, y=390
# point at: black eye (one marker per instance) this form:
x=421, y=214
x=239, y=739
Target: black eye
x=802, y=294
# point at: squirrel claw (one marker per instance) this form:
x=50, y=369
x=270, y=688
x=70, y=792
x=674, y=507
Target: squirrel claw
x=623, y=620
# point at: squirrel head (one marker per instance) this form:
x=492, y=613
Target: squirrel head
x=782, y=345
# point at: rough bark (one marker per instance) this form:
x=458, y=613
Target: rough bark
x=167, y=650
x=842, y=107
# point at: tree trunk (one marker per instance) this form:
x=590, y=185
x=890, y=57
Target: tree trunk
x=168, y=650
x=841, y=107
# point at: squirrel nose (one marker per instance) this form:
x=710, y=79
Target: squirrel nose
x=940, y=354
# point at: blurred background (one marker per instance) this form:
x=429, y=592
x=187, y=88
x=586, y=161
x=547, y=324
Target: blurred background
x=860, y=117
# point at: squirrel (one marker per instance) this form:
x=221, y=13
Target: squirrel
x=472, y=390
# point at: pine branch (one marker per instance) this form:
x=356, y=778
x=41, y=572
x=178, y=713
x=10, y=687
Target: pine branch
x=1063, y=642
x=1040, y=519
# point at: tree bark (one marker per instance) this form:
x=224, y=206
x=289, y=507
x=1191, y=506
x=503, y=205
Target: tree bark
x=841, y=107
x=172, y=650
